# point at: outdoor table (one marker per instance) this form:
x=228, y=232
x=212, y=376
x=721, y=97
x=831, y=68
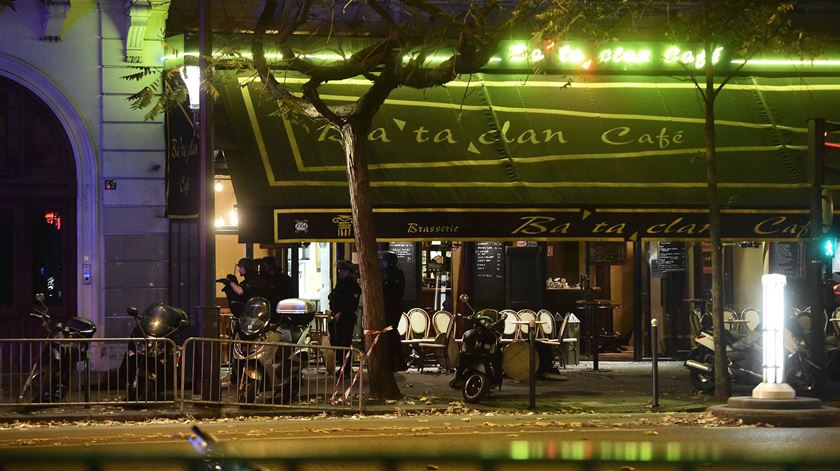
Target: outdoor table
x=588, y=305
x=736, y=324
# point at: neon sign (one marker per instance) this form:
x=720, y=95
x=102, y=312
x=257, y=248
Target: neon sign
x=53, y=218
x=583, y=56
x=621, y=56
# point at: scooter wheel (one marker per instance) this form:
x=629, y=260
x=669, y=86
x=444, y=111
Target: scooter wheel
x=475, y=387
x=701, y=380
x=806, y=379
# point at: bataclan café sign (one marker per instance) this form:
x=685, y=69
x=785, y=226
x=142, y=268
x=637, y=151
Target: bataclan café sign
x=535, y=224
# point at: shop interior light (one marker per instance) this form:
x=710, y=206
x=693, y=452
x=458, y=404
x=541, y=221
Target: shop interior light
x=218, y=187
x=192, y=79
x=233, y=217
x=773, y=331
x=220, y=222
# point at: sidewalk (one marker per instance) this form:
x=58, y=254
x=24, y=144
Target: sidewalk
x=617, y=388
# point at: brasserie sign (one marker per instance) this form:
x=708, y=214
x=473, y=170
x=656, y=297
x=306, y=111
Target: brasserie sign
x=540, y=224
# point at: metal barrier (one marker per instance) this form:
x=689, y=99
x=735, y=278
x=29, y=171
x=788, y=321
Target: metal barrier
x=49, y=372
x=270, y=374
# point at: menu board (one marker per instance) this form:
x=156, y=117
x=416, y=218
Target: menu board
x=672, y=256
x=607, y=253
x=787, y=258
x=407, y=262
x=489, y=270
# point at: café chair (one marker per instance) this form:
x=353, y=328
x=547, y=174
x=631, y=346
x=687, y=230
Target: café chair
x=441, y=321
x=511, y=330
x=443, y=348
x=418, y=323
x=569, y=343
x=402, y=326
x=525, y=315
x=752, y=316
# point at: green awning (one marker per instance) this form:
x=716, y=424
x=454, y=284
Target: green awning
x=511, y=142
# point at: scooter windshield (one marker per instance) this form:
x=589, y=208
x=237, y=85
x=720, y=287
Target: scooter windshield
x=160, y=320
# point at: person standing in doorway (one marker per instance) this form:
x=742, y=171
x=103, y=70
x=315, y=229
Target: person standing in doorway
x=393, y=288
x=344, y=302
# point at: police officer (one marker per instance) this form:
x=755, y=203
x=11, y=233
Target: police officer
x=238, y=291
x=393, y=288
x=344, y=301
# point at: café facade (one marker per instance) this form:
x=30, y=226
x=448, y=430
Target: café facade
x=507, y=185
x=511, y=186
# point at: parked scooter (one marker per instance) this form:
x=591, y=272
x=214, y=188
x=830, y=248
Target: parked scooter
x=265, y=370
x=480, y=360
x=744, y=354
x=150, y=364
x=50, y=376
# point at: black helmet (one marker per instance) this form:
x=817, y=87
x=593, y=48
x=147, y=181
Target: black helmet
x=390, y=257
x=247, y=264
x=344, y=265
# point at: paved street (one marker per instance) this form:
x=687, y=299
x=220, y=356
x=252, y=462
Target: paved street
x=634, y=437
x=584, y=414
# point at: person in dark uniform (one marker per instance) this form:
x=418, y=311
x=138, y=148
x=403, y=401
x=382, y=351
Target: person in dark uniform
x=277, y=283
x=344, y=301
x=238, y=292
x=393, y=288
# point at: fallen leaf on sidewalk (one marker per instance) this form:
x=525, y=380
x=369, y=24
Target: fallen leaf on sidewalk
x=651, y=432
x=432, y=467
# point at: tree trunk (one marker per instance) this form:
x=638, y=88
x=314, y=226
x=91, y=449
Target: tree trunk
x=381, y=382
x=723, y=388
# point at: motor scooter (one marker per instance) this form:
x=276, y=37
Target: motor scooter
x=745, y=355
x=266, y=370
x=149, y=364
x=479, y=369
x=49, y=378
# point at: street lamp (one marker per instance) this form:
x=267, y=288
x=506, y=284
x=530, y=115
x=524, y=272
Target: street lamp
x=773, y=333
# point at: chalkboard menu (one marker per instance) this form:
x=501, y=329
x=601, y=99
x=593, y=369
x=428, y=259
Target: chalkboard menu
x=672, y=256
x=787, y=258
x=607, y=253
x=489, y=270
x=407, y=262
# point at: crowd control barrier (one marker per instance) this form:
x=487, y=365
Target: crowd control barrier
x=50, y=372
x=270, y=374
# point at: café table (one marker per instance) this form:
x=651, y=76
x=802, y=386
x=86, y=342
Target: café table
x=589, y=306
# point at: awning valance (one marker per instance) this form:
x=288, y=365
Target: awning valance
x=525, y=142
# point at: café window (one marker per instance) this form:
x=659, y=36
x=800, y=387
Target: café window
x=437, y=274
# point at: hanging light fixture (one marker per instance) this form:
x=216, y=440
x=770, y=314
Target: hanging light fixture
x=191, y=75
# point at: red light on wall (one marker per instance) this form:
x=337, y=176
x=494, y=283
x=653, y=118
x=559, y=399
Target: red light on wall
x=53, y=219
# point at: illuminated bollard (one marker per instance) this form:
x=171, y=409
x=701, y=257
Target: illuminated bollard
x=773, y=332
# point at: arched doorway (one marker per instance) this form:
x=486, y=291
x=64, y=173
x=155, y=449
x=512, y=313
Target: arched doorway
x=37, y=211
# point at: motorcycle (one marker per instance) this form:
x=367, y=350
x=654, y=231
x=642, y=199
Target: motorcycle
x=266, y=370
x=479, y=367
x=150, y=363
x=744, y=354
x=50, y=376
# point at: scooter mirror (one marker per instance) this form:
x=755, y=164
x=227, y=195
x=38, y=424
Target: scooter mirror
x=464, y=298
x=132, y=311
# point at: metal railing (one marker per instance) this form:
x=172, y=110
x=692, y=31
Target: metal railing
x=270, y=374
x=49, y=372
